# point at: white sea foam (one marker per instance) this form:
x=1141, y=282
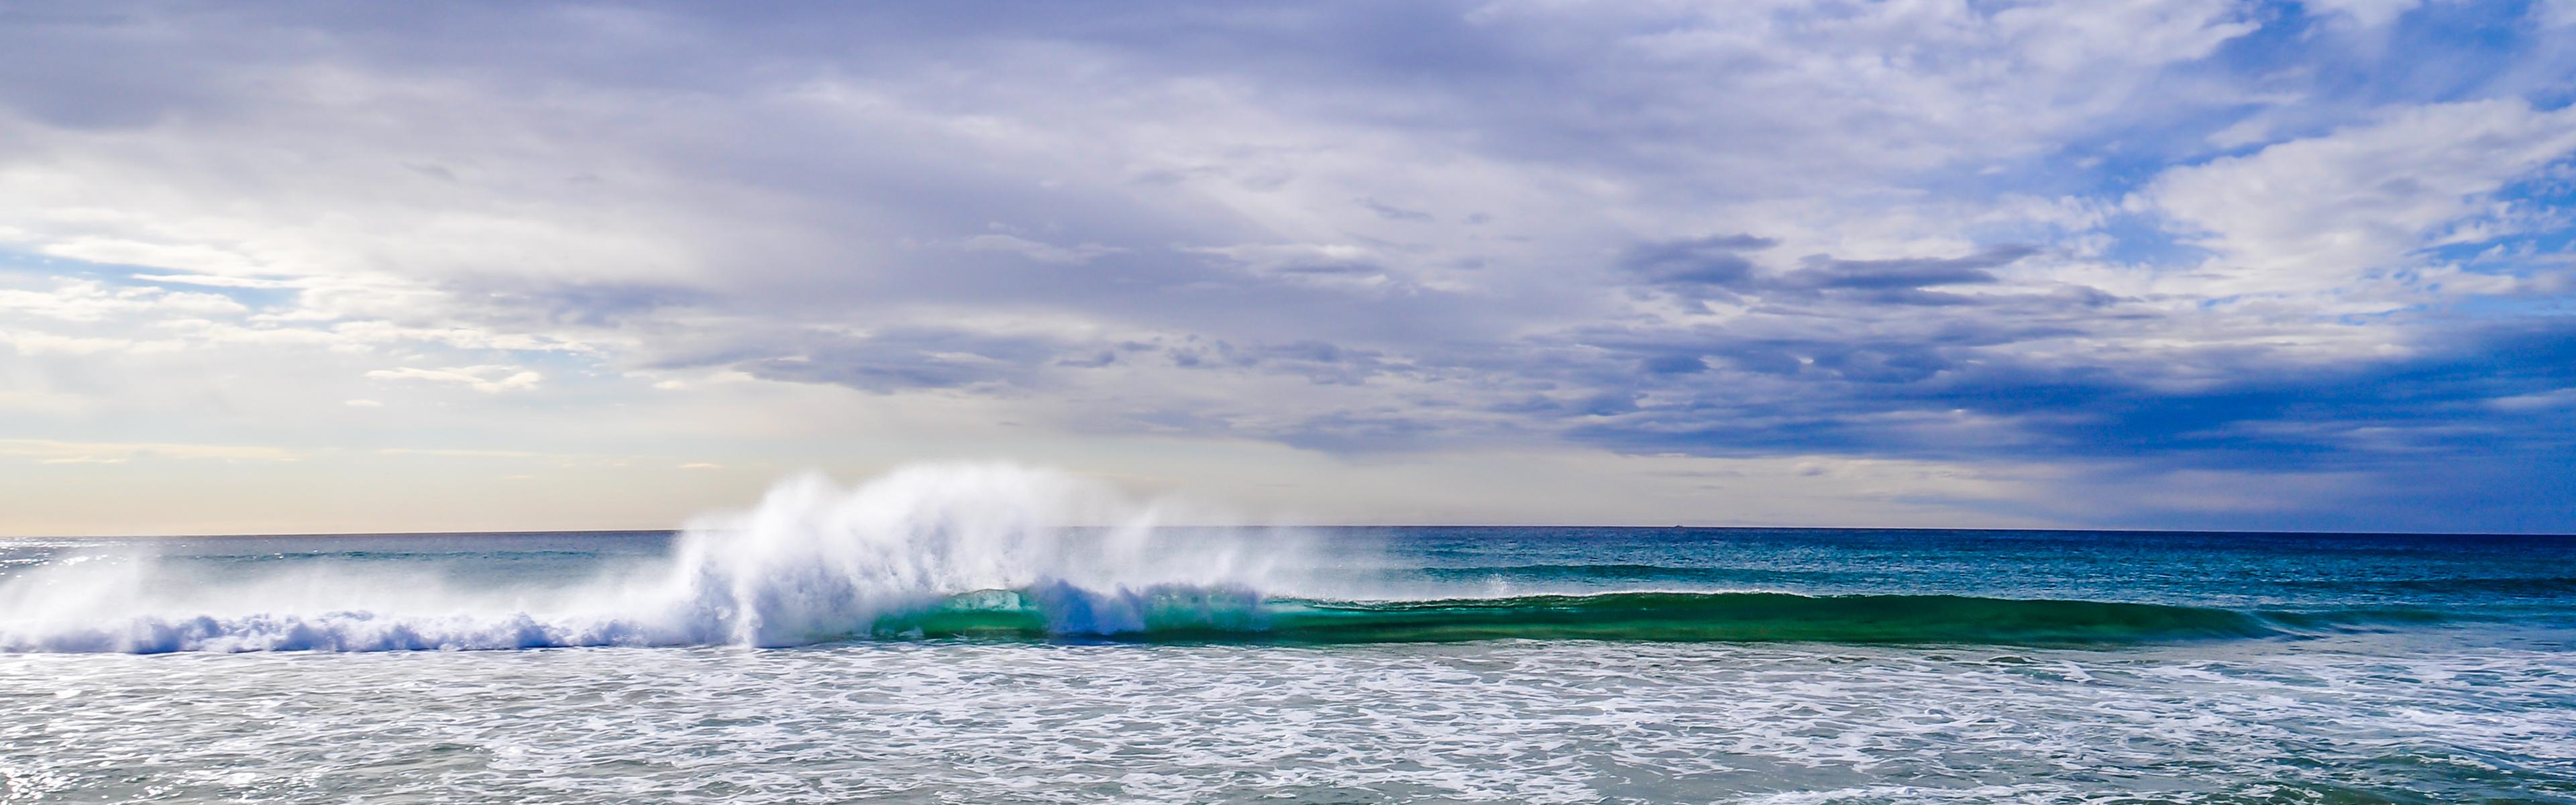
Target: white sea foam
x=813, y=561
x=1510, y=721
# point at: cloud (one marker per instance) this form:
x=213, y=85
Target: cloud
x=2324, y=213
x=1395, y=213
x=912, y=358
x=447, y=452
x=1716, y=263
x=39, y=343
x=2079, y=244
x=1717, y=268
x=1330, y=266
x=51, y=451
x=1826, y=273
x=1037, y=251
x=2555, y=13
x=198, y=259
x=2366, y=13
x=214, y=280
x=486, y=379
x=79, y=300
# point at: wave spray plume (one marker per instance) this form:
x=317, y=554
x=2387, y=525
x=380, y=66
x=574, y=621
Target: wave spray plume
x=983, y=551
x=812, y=562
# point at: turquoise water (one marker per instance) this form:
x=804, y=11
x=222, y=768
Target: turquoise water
x=1337, y=665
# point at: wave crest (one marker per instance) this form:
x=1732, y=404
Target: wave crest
x=811, y=562
x=1239, y=616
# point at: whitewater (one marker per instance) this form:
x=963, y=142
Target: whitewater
x=813, y=562
x=997, y=633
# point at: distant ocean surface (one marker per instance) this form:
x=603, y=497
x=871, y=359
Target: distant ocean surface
x=941, y=644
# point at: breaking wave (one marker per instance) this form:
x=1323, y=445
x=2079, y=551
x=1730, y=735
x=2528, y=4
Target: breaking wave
x=974, y=551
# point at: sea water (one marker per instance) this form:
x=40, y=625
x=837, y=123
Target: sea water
x=943, y=635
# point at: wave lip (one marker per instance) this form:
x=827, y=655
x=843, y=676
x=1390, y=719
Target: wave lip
x=1222, y=616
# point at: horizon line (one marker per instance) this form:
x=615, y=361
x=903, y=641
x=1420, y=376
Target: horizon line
x=1355, y=527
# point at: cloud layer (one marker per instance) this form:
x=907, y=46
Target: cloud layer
x=2189, y=263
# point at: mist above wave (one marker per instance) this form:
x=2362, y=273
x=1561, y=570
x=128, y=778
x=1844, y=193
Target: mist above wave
x=812, y=561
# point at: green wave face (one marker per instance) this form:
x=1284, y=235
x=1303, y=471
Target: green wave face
x=1195, y=615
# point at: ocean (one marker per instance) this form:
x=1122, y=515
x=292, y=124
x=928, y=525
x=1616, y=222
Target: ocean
x=942, y=637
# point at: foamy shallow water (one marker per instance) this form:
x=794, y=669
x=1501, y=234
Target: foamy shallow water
x=2356, y=719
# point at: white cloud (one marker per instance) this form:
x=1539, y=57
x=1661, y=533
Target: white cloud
x=486, y=379
x=2552, y=400
x=51, y=451
x=464, y=338
x=2367, y=13
x=449, y=452
x=41, y=343
x=214, y=280
x=2555, y=13
x=2321, y=213
x=196, y=258
x=41, y=401
x=2242, y=133
x=89, y=300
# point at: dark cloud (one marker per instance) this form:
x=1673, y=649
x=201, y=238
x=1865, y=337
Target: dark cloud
x=1718, y=268
x=1395, y=213
x=1317, y=361
x=1899, y=282
x=2494, y=406
x=1696, y=267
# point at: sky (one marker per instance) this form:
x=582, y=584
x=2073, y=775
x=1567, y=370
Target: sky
x=295, y=268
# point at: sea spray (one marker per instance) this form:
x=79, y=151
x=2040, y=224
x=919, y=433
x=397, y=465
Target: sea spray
x=812, y=562
x=815, y=562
